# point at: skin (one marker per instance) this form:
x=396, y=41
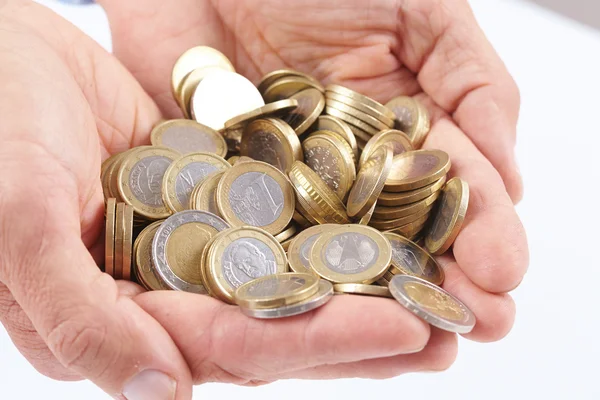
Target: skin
x=66, y=105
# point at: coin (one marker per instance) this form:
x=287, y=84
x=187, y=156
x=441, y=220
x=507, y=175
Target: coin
x=187, y=136
x=433, y=304
x=189, y=85
x=363, y=108
x=323, y=295
x=185, y=174
x=301, y=247
x=145, y=270
x=112, y=174
x=119, y=236
x=366, y=118
x=256, y=194
x=286, y=87
x=412, y=228
x=178, y=245
x=273, y=76
x=411, y=117
x=354, y=122
x=342, y=142
x=310, y=105
x=276, y=290
x=280, y=107
x=333, y=124
x=450, y=216
x=415, y=169
x=389, y=213
x=127, y=242
x=194, y=58
x=370, y=181
x=410, y=259
x=362, y=289
x=140, y=180
x=400, y=222
x=301, y=219
x=365, y=219
x=204, y=197
x=287, y=233
x=109, y=238
x=390, y=199
x=367, y=101
x=273, y=141
x=104, y=175
x=398, y=139
x=332, y=161
x=240, y=255
x=351, y=254
x=223, y=95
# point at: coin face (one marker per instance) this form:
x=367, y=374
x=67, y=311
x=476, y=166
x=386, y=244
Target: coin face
x=109, y=252
x=301, y=247
x=411, y=117
x=410, y=259
x=205, y=198
x=416, y=169
x=398, y=140
x=240, y=255
x=185, y=173
x=187, y=136
x=362, y=289
x=272, y=141
x=351, y=254
x=432, y=303
x=450, y=216
x=178, y=245
x=145, y=270
x=332, y=124
x=256, y=194
x=310, y=105
x=276, y=290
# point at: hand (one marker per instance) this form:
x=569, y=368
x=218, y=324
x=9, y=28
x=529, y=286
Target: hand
x=431, y=49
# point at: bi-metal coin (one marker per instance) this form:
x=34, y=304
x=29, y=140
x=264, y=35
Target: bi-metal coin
x=276, y=290
x=415, y=169
x=408, y=258
x=204, y=196
x=389, y=199
x=186, y=136
x=411, y=117
x=399, y=141
x=301, y=247
x=332, y=124
x=109, y=248
x=145, y=270
x=310, y=105
x=362, y=289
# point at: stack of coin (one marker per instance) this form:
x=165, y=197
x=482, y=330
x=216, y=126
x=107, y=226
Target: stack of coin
x=118, y=239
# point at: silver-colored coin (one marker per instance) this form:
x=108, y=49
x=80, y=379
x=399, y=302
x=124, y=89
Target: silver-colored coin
x=432, y=303
x=161, y=238
x=323, y=295
x=146, y=178
x=256, y=199
x=246, y=259
x=190, y=176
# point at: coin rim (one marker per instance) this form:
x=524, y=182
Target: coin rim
x=441, y=276
x=119, y=233
x=301, y=238
x=109, y=237
x=362, y=289
x=385, y=136
x=391, y=199
x=159, y=130
x=296, y=296
x=440, y=169
x=310, y=119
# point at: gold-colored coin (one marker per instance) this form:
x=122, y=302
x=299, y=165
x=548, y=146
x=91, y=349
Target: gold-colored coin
x=286, y=87
x=280, y=107
x=317, y=195
x=276, y=290
x=450, y=216
x=354, y=122
x=204, y=196
x=411, y=117
x=308, y=208
x=301, y=247
x=140, y=180
x=240, y=255
x=342, y=142
x=287, y=233
x=119, y=236
x=204, y=267
x=363, y=108
x=408, y=258
x=362, y=289
x=328, y=156
x=109, y=237
x=184, y=248
x=416, y=169
x=195, y=58
x=186, y=136
x=243, y=159
x=366, y=118
x=256, y=194
x=310, y=105
x=398, y=139
x=411, y=229
x=365, y=219
x=144, y=266
x=127, y=242
x=390, y=199
x=389, y=213
x=351, y=254
x=189, y=85
x=333, y=124
x=383, y=224
x=272, y=141
x=369, y=182
x=367, y=101
x=273, y=76
x=112, y=175
x=185, y=174
x=104, y=175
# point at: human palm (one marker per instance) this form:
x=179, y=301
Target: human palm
x=83, y=105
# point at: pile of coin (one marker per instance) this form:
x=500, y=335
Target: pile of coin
x=285, y=175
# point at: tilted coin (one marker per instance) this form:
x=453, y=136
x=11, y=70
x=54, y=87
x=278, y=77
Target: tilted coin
x=286, y=87
x=408, y=258
x=365, y=219
x=390, y=199
x=223, y=95
x=342, y=142
x=276, y=290
x=432, y=303
x=332, y=161
x=398, y=139
x=188, y=87
x=140, y=180
x=348, y=101
x=127, y=242
x=366, y=118
x=450, y=216
x=353, y=122
x=333, y=124
x=240, y=255
x=369, y=182
x=119, y=236
x=401, y=222
x=323, y=295
x=105, y=177
x=362, y=289
x=145, y=270
x=112, y=174
x=272, y=141
x=286, y=233
x=109, y=238
x=185, y=174
x=310, y=105
x=411, y=117
x=187, y=136
x=388, y=213
x=280, y=107
x=178, y=245
x=256, y=194
x=204, y=196
x=351, y=254
x=415, y=169
x=367, y=101
x=273, y=76
x=301, y=247
x=411, y=229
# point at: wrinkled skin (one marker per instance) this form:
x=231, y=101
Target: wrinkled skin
x=66, y=105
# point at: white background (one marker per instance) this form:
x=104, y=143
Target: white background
x=552, y=353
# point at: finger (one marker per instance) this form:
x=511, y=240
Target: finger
x=459, y=69
x=491, y=247
x=221, y=344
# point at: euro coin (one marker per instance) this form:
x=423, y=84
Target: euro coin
x=415, y=169
x=233, y=138
x=281, y=107
x=301, y=247
x=389, y=213
x=351, y=254
x=366, y=219
x=119, y=236
x=399, y=141
x=144, y=267
x=433, y=304
x=274, y=76
x=286, y=87
x=366, y=118
x=387, y=224
x=329, y=123
x=276, y=290
x=240, y=255
x=204, y=197
x=362, y=289
x=341, y=141
x=178, y=245
x=338, y=98
x=411, y=117
x=408, y=258
x=187, y=136
x=188, y=87
x=301, y=220
x=109, y=238
x=390, y=199
x=310, y=105
x=449, y=218
x=104, y=175
x=112, y=174
x=411, y=229
x=127, y=242
x=233, y=159
x=366, y=101
x=256, y=194
x=286, y=233
x=353, y=122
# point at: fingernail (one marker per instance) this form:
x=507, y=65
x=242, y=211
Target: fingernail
x=150, y=385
